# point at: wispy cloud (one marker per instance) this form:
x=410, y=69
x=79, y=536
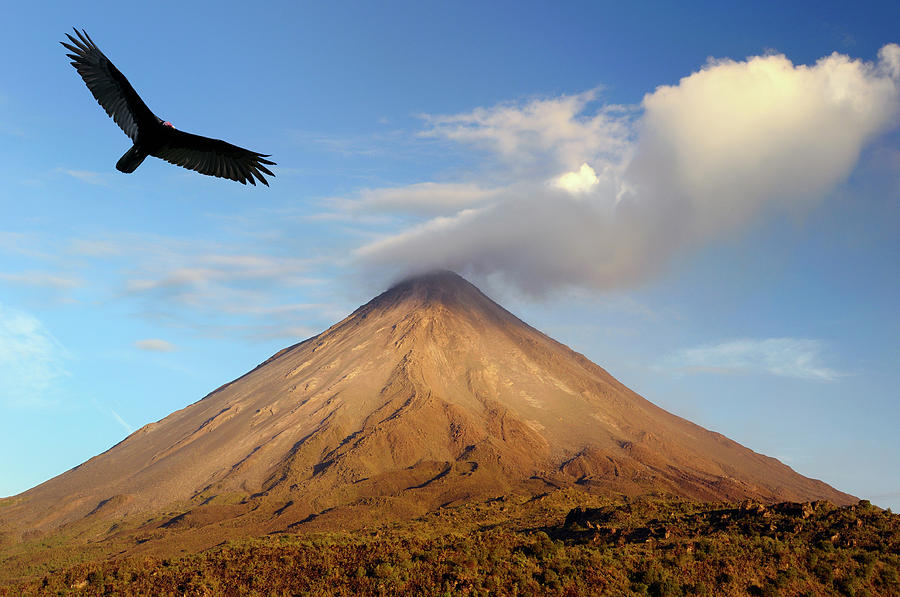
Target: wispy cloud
x=277, y=332
x=154, y=345
x=217, y=282
x=785, y=357
x=425, y=198
x=212, y=278
x=544, y=133
x=280, y=310
x=31, y=360
x=122, y=422
x=21, y=243
x=346, y=145
x=46, y=279
x=100, y=179
x=194, y=284
x=263, y=328
x=94, y=248
x=219, y=290
x=396, y=143
x=106, y=410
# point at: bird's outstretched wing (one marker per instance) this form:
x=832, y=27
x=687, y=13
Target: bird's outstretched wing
x=213, y=157
x=110, y=87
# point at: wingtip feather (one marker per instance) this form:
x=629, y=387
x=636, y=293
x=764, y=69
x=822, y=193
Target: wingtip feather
x=88, y=38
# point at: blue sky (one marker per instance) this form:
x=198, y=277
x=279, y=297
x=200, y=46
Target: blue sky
x=704, y=200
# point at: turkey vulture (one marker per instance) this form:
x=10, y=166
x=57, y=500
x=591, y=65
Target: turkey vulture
x=150, y=134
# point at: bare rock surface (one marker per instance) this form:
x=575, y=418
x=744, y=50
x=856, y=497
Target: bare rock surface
x=430, y=394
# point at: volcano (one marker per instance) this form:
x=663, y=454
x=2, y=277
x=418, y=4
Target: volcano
x=430, y=394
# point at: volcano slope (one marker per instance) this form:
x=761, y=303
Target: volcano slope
x=430, y=394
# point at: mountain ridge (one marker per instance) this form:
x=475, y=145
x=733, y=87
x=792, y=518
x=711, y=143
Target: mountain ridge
x=429, y=394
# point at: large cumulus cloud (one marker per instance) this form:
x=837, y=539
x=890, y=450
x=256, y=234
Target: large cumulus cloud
x=603, y=196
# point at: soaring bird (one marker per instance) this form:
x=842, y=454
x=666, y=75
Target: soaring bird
x=152, y=135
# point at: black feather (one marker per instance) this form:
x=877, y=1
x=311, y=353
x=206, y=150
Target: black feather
x=121, y=102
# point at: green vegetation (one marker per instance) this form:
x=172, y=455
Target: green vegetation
x=537, y=547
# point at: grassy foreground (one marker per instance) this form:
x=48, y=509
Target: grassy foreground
x=529, y=547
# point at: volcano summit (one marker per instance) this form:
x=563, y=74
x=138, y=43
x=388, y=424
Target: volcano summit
x=430, y=394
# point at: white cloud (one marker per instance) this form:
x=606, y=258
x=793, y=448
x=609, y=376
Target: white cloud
x=210, y=280
x=292, y=333
x=93, y=248
x=548, y=239
x=36, y=278
x=190, y=283
x=31, y=360
x=735, y=137
x=99, y=179
x=580, y=181
x=27, y=245
x=727, y=145
x=889, y=60
x=556, y=133
x=425, y=198
x=206, y=288
x=784, y=357
x=155, y=345
x=215, y=288
x=207, y=270
x=280, y=310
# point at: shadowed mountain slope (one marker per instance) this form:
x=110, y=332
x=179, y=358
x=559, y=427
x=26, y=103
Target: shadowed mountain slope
x=430, y=394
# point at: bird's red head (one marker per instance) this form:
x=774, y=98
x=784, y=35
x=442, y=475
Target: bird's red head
x=168, y=124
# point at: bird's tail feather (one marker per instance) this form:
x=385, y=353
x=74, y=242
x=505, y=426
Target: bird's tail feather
x=131, y=160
